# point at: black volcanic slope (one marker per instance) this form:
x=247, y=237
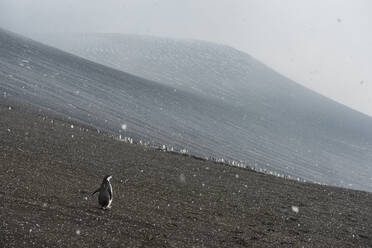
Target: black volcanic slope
x=49, y=165
x=264, y=120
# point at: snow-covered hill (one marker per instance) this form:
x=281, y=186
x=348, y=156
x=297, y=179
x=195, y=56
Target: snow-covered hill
x=210, y=99
x=196, y=66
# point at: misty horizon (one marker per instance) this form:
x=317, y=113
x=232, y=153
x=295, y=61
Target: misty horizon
x=324, y=46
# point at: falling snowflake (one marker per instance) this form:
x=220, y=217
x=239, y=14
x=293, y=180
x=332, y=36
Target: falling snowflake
x=182, y=178
x=72, y=126
x=124, y=126
x=78, y=232
x=295, y=209
x=236, y=175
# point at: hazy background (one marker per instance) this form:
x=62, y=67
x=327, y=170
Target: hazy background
x=324, y=45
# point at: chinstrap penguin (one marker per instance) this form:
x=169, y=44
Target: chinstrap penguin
x=105, y=193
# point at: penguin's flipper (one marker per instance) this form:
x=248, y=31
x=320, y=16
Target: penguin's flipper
x=96, y=191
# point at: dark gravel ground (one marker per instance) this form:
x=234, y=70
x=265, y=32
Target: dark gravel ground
x=48, y=169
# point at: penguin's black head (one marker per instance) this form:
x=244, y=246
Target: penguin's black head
x=107, y=178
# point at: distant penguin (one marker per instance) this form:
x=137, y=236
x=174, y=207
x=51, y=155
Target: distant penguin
x=105, y=193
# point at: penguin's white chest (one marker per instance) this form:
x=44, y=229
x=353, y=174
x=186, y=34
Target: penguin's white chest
x=111, y=196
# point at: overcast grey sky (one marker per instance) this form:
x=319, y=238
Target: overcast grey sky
x=325, y=45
